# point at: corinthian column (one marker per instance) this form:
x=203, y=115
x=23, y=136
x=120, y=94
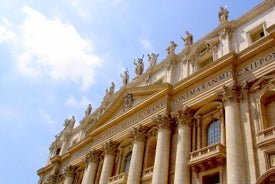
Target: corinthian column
x=92, y=159
x=161, y=165
x=110, y=149
x=137, y=154
x=69, y=173
x=235, y=161
x=182, y=171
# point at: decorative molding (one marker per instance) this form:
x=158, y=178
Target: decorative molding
x=110, y=148
x=163, y=121
x=184, y=116
x=139, y=133
x=230, y=93
x=93, y=156
x=70, y=171
x=128, y=101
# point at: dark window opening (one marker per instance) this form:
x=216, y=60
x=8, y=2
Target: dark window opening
x=57, y=151
x=211, y=179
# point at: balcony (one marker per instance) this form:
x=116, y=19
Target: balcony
x=207, y=158
x=147, y=173
x=118, y=179
x=266, y=136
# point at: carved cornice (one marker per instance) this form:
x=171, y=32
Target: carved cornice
x=230, y=93
x=163, y=121
x=184, y=116
x=93, y=156
x=70, y=171
x=110, y=148
x=52, y=179
x=265, y=82
x=139, y=133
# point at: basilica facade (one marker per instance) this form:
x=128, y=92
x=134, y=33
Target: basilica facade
x=205, y=115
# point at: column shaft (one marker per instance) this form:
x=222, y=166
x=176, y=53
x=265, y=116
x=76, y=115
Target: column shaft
x=69, y=173
x=161, y=165
x=235, y=162
x=90, y=173
x=184, y=120
x=107, y=169
x=92, y=160
x=136, y=163
x=108, y=163
x=182, y=171
x=234, y=145
x=137, y=155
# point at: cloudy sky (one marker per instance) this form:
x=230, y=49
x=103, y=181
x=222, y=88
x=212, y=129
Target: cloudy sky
x=57, y=56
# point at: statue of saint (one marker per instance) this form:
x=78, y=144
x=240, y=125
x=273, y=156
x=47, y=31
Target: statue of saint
x=171, y=49
x=188, y=40
x=223, y=14
x=152, y=59
x=139, y=66
x=112, y=88
x=89, y=110
x=125, y=77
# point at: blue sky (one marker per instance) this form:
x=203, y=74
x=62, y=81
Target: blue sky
x=57, y=56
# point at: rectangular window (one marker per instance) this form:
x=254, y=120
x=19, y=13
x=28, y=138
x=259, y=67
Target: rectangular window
x=257, y=33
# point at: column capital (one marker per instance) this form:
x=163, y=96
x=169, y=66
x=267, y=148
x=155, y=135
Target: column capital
x=93, y=156
x=184, y=116
x=139, y=133
x=110, y=147
x=70, y=171
x=163, y=121
x=231, y=93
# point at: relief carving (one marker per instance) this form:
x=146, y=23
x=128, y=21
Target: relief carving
x=110, y=148
x=230, y=93
x=93, y=156
x=184, y=116
x=139, y=133
x=70, y=171
x=163, y=121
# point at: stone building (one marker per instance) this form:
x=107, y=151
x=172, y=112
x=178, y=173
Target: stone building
x=205, y=115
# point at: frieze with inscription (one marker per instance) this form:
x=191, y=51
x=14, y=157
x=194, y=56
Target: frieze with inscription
x=203, y=87
x=130, y=122
x=256, y=64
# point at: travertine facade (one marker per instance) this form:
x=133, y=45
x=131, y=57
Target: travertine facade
x=204, y=115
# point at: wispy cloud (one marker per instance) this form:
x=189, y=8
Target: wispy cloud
x=77, y=103
x=52, y=48
x=46, y=117
x=146, y=45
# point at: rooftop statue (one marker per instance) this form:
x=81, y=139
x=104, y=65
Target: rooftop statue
x=152, y=59
x=223, y=14
x=69, y=123
x=89, y=110
x=125, y=77
x=112, y=88
x=171, y=49
x=188, y=40
x=139, y=66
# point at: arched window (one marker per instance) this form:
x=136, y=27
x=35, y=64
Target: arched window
x=127, y=162
x=267, y=108
x=214, y=132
